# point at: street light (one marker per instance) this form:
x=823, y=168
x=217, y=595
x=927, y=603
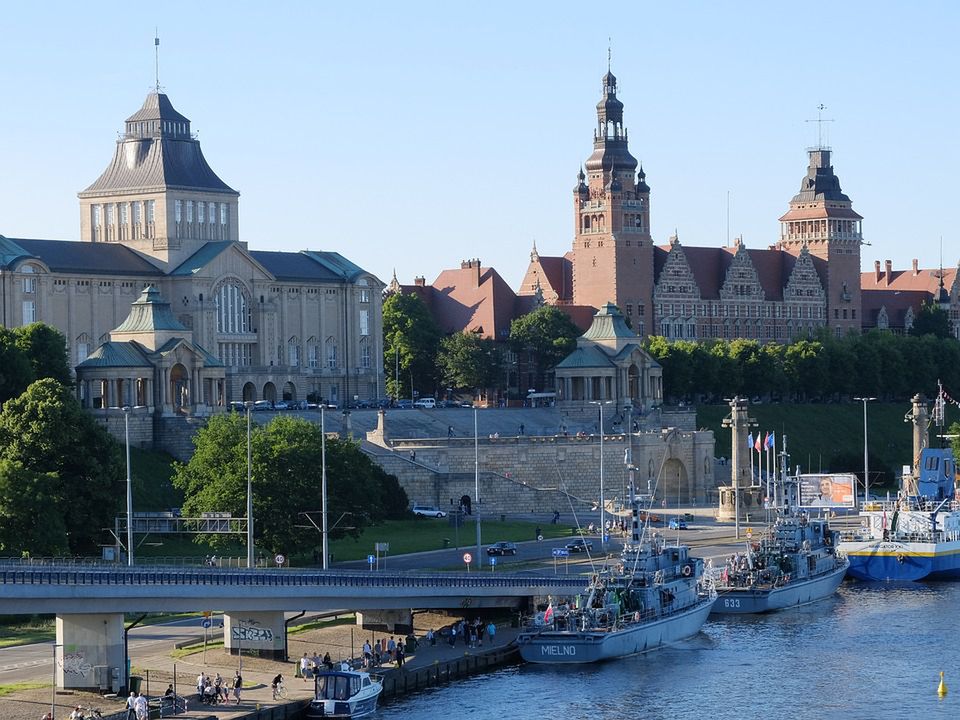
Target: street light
x=126, y=434
x=476, y=483
x=249, y=405
x=866, y=462
x=603, y=529
x=323, y=483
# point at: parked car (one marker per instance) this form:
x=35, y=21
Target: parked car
x=404, y=404
x=644, y=516
x=466, y=404
x=502, y=548
x=579, y=545
x=237, y=406
x=384, y=403
x=281, y=405
x=428, y=511
x=677, y=523
x=425, y=403
x=261, y=405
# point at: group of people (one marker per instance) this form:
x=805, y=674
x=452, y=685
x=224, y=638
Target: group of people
x=377, y=652
x=137, y=708
x=312, y=665
x=214, y=690
x=471, y=633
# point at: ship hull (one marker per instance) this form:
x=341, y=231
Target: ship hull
x=756, y=600
x=571, y=647
x=877, y=560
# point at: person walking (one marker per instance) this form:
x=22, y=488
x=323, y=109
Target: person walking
x=391, y=648
x=131, y=701
x=491, y=631
x=140, y=705
x=399, y=655
x=304, y=667
x=521, y=429
x=237, y=686
x=449, y=431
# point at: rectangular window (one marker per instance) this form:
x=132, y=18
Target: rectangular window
x=151, y=209
x=83, y=349
x=365, y=355
x=29, y=312
x=332, y=357
x=212, y=208
x=123, y=213
x=28, y=285
x=178, y=210
x=189, y=211
x=200, y=211
x=364, y=296
x=364, y=322
x=96, y=215
x=137, y=209
x=110, y=214
x=223, y=213
x=293, y=355
x=314, y=355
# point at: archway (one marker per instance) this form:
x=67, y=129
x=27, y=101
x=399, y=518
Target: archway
x=633, y=383
x=290, y=392
x=674, y=485
x=270, y=392
x=249, y=392
x=179, y=387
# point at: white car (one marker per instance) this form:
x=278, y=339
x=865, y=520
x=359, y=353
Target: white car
x=426, y=403
x=428, y=511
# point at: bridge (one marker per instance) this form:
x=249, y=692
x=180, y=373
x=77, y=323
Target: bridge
x=90, y=603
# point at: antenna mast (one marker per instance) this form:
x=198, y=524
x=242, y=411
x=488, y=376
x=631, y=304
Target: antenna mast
x=820, y=121
x=156, y=58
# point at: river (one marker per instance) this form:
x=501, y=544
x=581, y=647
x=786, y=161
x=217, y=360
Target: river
x=872, y=651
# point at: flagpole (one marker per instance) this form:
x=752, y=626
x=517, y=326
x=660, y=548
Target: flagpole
x=774, y=468
x=750, y=450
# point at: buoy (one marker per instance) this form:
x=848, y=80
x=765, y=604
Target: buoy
x=942, y=688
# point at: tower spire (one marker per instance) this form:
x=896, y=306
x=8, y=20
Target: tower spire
x=156, y=58
x=609, y=55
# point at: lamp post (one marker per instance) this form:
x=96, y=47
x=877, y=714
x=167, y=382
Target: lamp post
x=126, y=435
x=866, y=462
x=476, y=484
x=323, y=484
x=603, y=529
x=249, y=405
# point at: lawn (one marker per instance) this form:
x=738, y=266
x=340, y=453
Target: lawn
x=407, y=536
x=27, y=632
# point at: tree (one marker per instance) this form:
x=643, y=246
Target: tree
x=411, y=340
x=31, y=519
x=15, y=372
x=286, y=480
x=467, y=360
x=46, y=431
x=931, y=320
x=548, y=335
x=46, y=350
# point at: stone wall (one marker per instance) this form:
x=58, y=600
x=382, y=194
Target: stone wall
x=543, y=474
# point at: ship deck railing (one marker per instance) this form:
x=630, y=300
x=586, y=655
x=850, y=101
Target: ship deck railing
x=624, y=620
x=864, y=535
x=910, y=505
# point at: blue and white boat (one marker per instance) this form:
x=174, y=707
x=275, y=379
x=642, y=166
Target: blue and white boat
x=917, y=535
x=344, y=694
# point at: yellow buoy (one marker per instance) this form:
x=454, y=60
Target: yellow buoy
x=942, y=688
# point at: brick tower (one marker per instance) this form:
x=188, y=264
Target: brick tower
x=822, y=218
x=612, y=248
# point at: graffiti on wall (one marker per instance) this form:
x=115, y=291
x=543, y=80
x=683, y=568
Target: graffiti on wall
x=249, y=631
x=75, y=664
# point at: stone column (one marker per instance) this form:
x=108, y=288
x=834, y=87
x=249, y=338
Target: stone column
x=263, y=631
x=90, y=651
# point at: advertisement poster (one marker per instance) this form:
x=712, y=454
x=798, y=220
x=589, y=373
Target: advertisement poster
x=827, y=490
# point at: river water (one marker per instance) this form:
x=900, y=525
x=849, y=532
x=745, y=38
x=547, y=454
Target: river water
x=871, y=651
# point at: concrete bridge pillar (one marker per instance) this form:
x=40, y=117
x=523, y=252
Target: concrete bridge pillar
x=399, y=622
x=263, y=631
x=89, y=652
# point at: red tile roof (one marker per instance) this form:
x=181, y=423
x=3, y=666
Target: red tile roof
x=709, y=267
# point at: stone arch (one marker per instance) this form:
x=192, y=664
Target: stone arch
x=290, y=392
x=179, y=387
x=674, y=483
x=270, y=392
x=249, y=392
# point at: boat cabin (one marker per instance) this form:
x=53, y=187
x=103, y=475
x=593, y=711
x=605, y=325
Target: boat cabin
x=935, y=477
x=340, y=685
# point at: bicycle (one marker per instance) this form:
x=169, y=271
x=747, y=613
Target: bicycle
x=279, y=692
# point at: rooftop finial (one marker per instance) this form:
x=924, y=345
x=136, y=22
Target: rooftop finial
x=820, y=121
x=609, y=54
x=156, y=57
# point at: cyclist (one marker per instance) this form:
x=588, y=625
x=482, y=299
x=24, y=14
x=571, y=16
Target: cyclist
x=277, y=685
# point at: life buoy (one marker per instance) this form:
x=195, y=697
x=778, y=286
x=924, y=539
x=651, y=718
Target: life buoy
x=686, y=571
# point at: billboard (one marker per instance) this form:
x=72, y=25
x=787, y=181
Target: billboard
x=827, y=490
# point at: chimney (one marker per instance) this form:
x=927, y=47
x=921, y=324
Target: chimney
x=916, y=270
x=876, y=271
x=889, y=271
x=473, y=264
x=420, y=281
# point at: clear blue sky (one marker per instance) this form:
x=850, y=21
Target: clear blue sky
x=414, y=135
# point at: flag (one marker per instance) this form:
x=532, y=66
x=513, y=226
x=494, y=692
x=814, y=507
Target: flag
x=757, y=445
x=770, y=441
x=749, y=441
x=548, y=615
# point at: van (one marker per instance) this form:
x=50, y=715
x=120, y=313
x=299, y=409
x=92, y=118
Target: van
x=426, y=403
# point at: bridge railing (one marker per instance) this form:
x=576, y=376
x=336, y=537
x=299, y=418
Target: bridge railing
x=72, y=575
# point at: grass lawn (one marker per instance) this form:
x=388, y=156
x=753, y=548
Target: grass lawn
x=16, y=687
x=406, y=536
x=11, y=635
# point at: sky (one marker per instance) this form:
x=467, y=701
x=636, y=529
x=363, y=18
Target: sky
x=411, y=136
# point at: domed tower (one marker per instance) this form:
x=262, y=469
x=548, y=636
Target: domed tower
x=158, y=195
x=822, y=218
x=612, y=248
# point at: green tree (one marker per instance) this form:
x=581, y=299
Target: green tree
x=467, y=360
x=31, y=517
x=547, y=335
x=46, y=431
x=931, y=320
x=15, y=372
x=805, y=368
x=46, y=350
x=411, y=340
x=286, y=479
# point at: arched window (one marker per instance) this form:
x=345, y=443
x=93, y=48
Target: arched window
x=233, y=308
